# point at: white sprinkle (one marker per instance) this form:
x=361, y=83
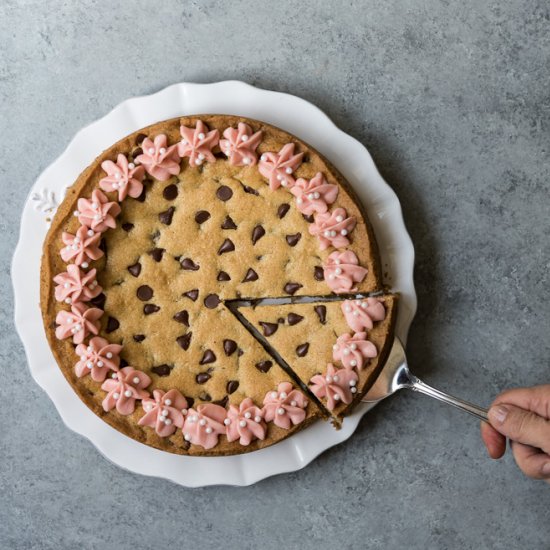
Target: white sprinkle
x=73, y=330
x=279, y=177
x=356, y=313
x=336, y=378
x=164, y=412
x=352, y=383
x=131, y=165
x=274, y=394
x=299, y=200
x=339, y=219
x=109, y=355
x=353, y=347
x=162, y=150
x=187, y=437
x=202, y=422
x=84, y=265
x=316, y=195
x=348, y=308
x=331, y=277
x=283, y=182
x=311, y=196
x=90, y=233
x=280, y=411
x=95, y=206
x=76, y=213
x=263, y=157
x=167, y=421
x=135, y=380
x=114, y=375
x=78, y=326
x=89, y=364
x=328, y=378
x=353, y=390
x=116, y=395
x=333, y=233
x=77, y=239
x=198, y=162
x=338, y=271
x=327, y=233
x=183, y=141
x=151, y=151
x=283, y=395
x=336, y=397
x=68, y=300
x=117, y=175
x=293, y=403
x=75, y=247
x=193, y=418
x=115, y=185
x=201, y=136
x=364, y=305
x=242, y=423
x=344, y=232
x=335, y=347
x=167, y=402
x=208, y=430
x=337, y=262
x=257, y=419
x=248, y=415
x=184, y=412
x=346, y=351
x=244, y=137
x=100, y=364
x=128, y=393
x=247, y=160
x=353, y=363
x=288, y=170
x=201, y=156
x=227, y=421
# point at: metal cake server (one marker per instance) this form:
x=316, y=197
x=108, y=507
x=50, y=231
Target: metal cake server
x=396, y=376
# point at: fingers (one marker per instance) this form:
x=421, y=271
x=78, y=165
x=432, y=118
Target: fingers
x=494, y=441
x=521, y=425
x=532, y=462
x=535, y=399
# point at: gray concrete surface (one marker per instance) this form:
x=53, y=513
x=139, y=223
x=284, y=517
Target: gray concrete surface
x=452, y=99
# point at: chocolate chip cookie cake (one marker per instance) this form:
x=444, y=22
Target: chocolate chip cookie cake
x=210, y=285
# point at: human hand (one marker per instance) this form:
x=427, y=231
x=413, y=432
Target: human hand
x=523, y=416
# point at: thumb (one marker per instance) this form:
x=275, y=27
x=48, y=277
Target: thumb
x=521, y=426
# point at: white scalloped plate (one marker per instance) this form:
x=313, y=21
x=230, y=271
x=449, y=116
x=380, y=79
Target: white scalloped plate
x=285, y=111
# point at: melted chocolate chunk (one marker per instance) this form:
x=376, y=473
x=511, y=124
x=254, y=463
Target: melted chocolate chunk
x=257, y=233
x=269, y=328
x=192, y=294
x=202, y=378
x=232, y=386
x=184, y=341
x=136, y=152
x=127, y=226
x=150, y=308
x=309, y=219
x=228, y=223
x=123, y=363
x=157, y=253
x=203, y=395
x=170, y=192
x=188, y=264
x=240, y=352
x=142, y=195
x=139, y=138
x=264, y=366
x=302, y=349
x=282, y=210
x=190, y=401
x=182, y=317
x=251, y=275
x=250, y=190
x=321, y=313
x=201, y=216
x=318, y=273
x=222, y=402
x=223, y=276
x=166, y=216
x=224, y=193
x=139, y=337
x=227, y=246
x=293, y=240
x=294, y=319
x=229, y=346
x=161, y=370
x=99, y=301
x=112, y=325
x=212, y=301
x=291, y=288
x=144, y=293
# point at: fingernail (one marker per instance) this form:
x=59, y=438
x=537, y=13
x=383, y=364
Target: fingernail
x=546, y=469
x=499, y=413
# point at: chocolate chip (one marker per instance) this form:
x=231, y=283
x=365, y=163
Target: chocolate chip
x=157, y=253
x=161, y=370
x=184, y=341
x=294, y=319
x=223, y=276
x=170, y=192
x=202, y=378
x=112, y=325
x=309, y=218
x=221, y=402
x=144, y=293
x=139, y=337
x=226, y=246
x=212, y=301
x=139, y=138
x=269, y=328
x=264, y=366
x=155, y=235
x=192, y=294
x=127, y=226
x=103, y=246
x=142, y=195
x=188, y=264
x=257, y=233
x=203, y=395
x=302, y=349
x=240, y=352
x=293, y=240
x=321, y=313
x=224, y=193
x=318, y=273
x=250, y=190
x=228, y=223
x=201, y=216
x=150, y=308
x=281, y=320
x=166, y=216
x=229, y=346
x=291, y=288
x=182, y=317
x=232, y=386
x=282, y=210
x=136, y=152
x=251, y=275
x=98, y=301
x=123, y=363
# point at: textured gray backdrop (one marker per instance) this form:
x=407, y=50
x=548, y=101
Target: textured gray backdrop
x=452, y=99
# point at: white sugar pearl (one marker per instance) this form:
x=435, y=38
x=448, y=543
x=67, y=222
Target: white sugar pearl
x=293, y=403
x=131, y=165
x=333, y=233
x=280, y=411
x=274, y=395
x=336, y=378
x=356, y=314
x=183, y=141
x=208, y=430
x=246, y=160
x=97, y=217
x=135, y=380
x=353, y=390
x=227, y=421
x=353, y=363
x=201, y=135
x=202, y=422
x=316, y=195
x=336, y=397
x=344, y=232
x=77, y=239
x=162, y=150
x=299, y=200
x=167, y=402
x=248, y=415
x=257, y=419
x=352, y=383
x=78, y=326
x=164, y=412
x=335, y=347
x=311, y=196
x=244, y=137
x=89, y=364
x=353, y=347
x=114, y=375
x=76, y=213
x=198, y=162
x=187, y=437
x=128, y=393
x=115, y=185
x=117, y=175
x=151, y=151
x=339, y=219
x=331, y=277
x=84, y=265
x=68, y=301
x=95, y=205
x=263, y=157
x=167, y=421
x=327, y=233
x=109, y=355
x=184, y=412
x=89, y=349
x=364, y=305
x=228, y=152
x=242, y=423
x=328, y=378
x=75, y=247
x=283, y=182
x=73, y=330
x=348, y=308
x=288, y=170
x=100, y=364
x=279, y=177
x=201, y=156
x=116, y=395
x=346, y=351
x=90, y=233
x=338, y=271
x=193, y=418
x=337, y=262
x=283, y=395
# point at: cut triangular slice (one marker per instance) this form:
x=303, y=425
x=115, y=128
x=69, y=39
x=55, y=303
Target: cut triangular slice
x=335, y=348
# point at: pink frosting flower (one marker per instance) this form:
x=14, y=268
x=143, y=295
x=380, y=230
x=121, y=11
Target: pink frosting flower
x=204, y=425
x=78, y=323
x=337, y=386
x=285, y=407
x=360, y=314
x=314, y=195
x=341, y=270
x=240, y=145
x=75, y=285
x=165, y=412
x=158, y=159
x=245, y=423
x=123, y=177
x=97, y=213
x=82, y=247
x=353, y=351
x=124, y=388
x=278, y=167
x=332, y=228
x=97, y=358
x=197, y=143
